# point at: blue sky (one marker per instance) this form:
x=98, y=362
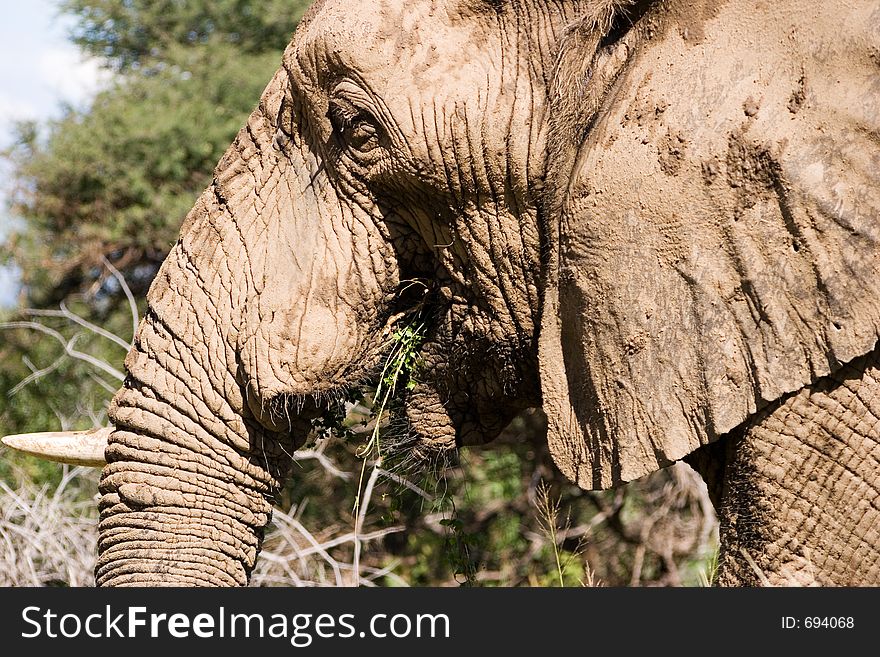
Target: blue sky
x=39, y=72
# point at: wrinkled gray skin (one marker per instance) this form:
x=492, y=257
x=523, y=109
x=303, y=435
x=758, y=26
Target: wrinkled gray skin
x=398, y=162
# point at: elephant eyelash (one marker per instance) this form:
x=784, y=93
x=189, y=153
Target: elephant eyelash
x=355, y=125
x=341, y=115
x=344, y=116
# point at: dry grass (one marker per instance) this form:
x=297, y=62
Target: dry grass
x=49, y=538
x=294, y=555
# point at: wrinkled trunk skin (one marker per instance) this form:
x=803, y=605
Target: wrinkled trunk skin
x=190, y=477
x=243, y=322
x=798, y=489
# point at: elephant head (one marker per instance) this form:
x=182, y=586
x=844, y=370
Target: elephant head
x=655, y=219
x=394, y=165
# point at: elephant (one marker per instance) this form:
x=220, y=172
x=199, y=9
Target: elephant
x=656, y=220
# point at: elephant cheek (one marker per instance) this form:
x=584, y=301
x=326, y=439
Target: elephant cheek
x=298, y=352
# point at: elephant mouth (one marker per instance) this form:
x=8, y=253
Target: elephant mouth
x=384, y=408
x=380, y=429
x=293, y=371
x=384, y=368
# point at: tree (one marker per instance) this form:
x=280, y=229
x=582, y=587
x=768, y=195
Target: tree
x=116, y=180
x=135, y=33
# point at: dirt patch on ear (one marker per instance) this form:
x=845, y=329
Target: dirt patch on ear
x=691, y=17
x=751, y=169
x=672, y=153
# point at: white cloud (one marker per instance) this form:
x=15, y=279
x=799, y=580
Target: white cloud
x=13, y=109
x=72, y=77
x=53, y=76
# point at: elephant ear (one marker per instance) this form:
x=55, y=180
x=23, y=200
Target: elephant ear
x=718, y=244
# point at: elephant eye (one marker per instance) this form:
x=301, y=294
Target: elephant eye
x=354, y=127
x=362, y=134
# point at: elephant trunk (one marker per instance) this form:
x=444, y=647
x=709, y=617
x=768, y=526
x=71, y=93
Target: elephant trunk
x=190, y=477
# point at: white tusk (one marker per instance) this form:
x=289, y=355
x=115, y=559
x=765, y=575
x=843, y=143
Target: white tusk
x=74, y=447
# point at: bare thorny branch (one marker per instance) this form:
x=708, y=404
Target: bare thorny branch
x=69, y=344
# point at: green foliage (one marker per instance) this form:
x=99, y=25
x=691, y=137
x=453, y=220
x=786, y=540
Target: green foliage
x=459, y=546
x=397, y=373
x=133, y=33
x=117, y=180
